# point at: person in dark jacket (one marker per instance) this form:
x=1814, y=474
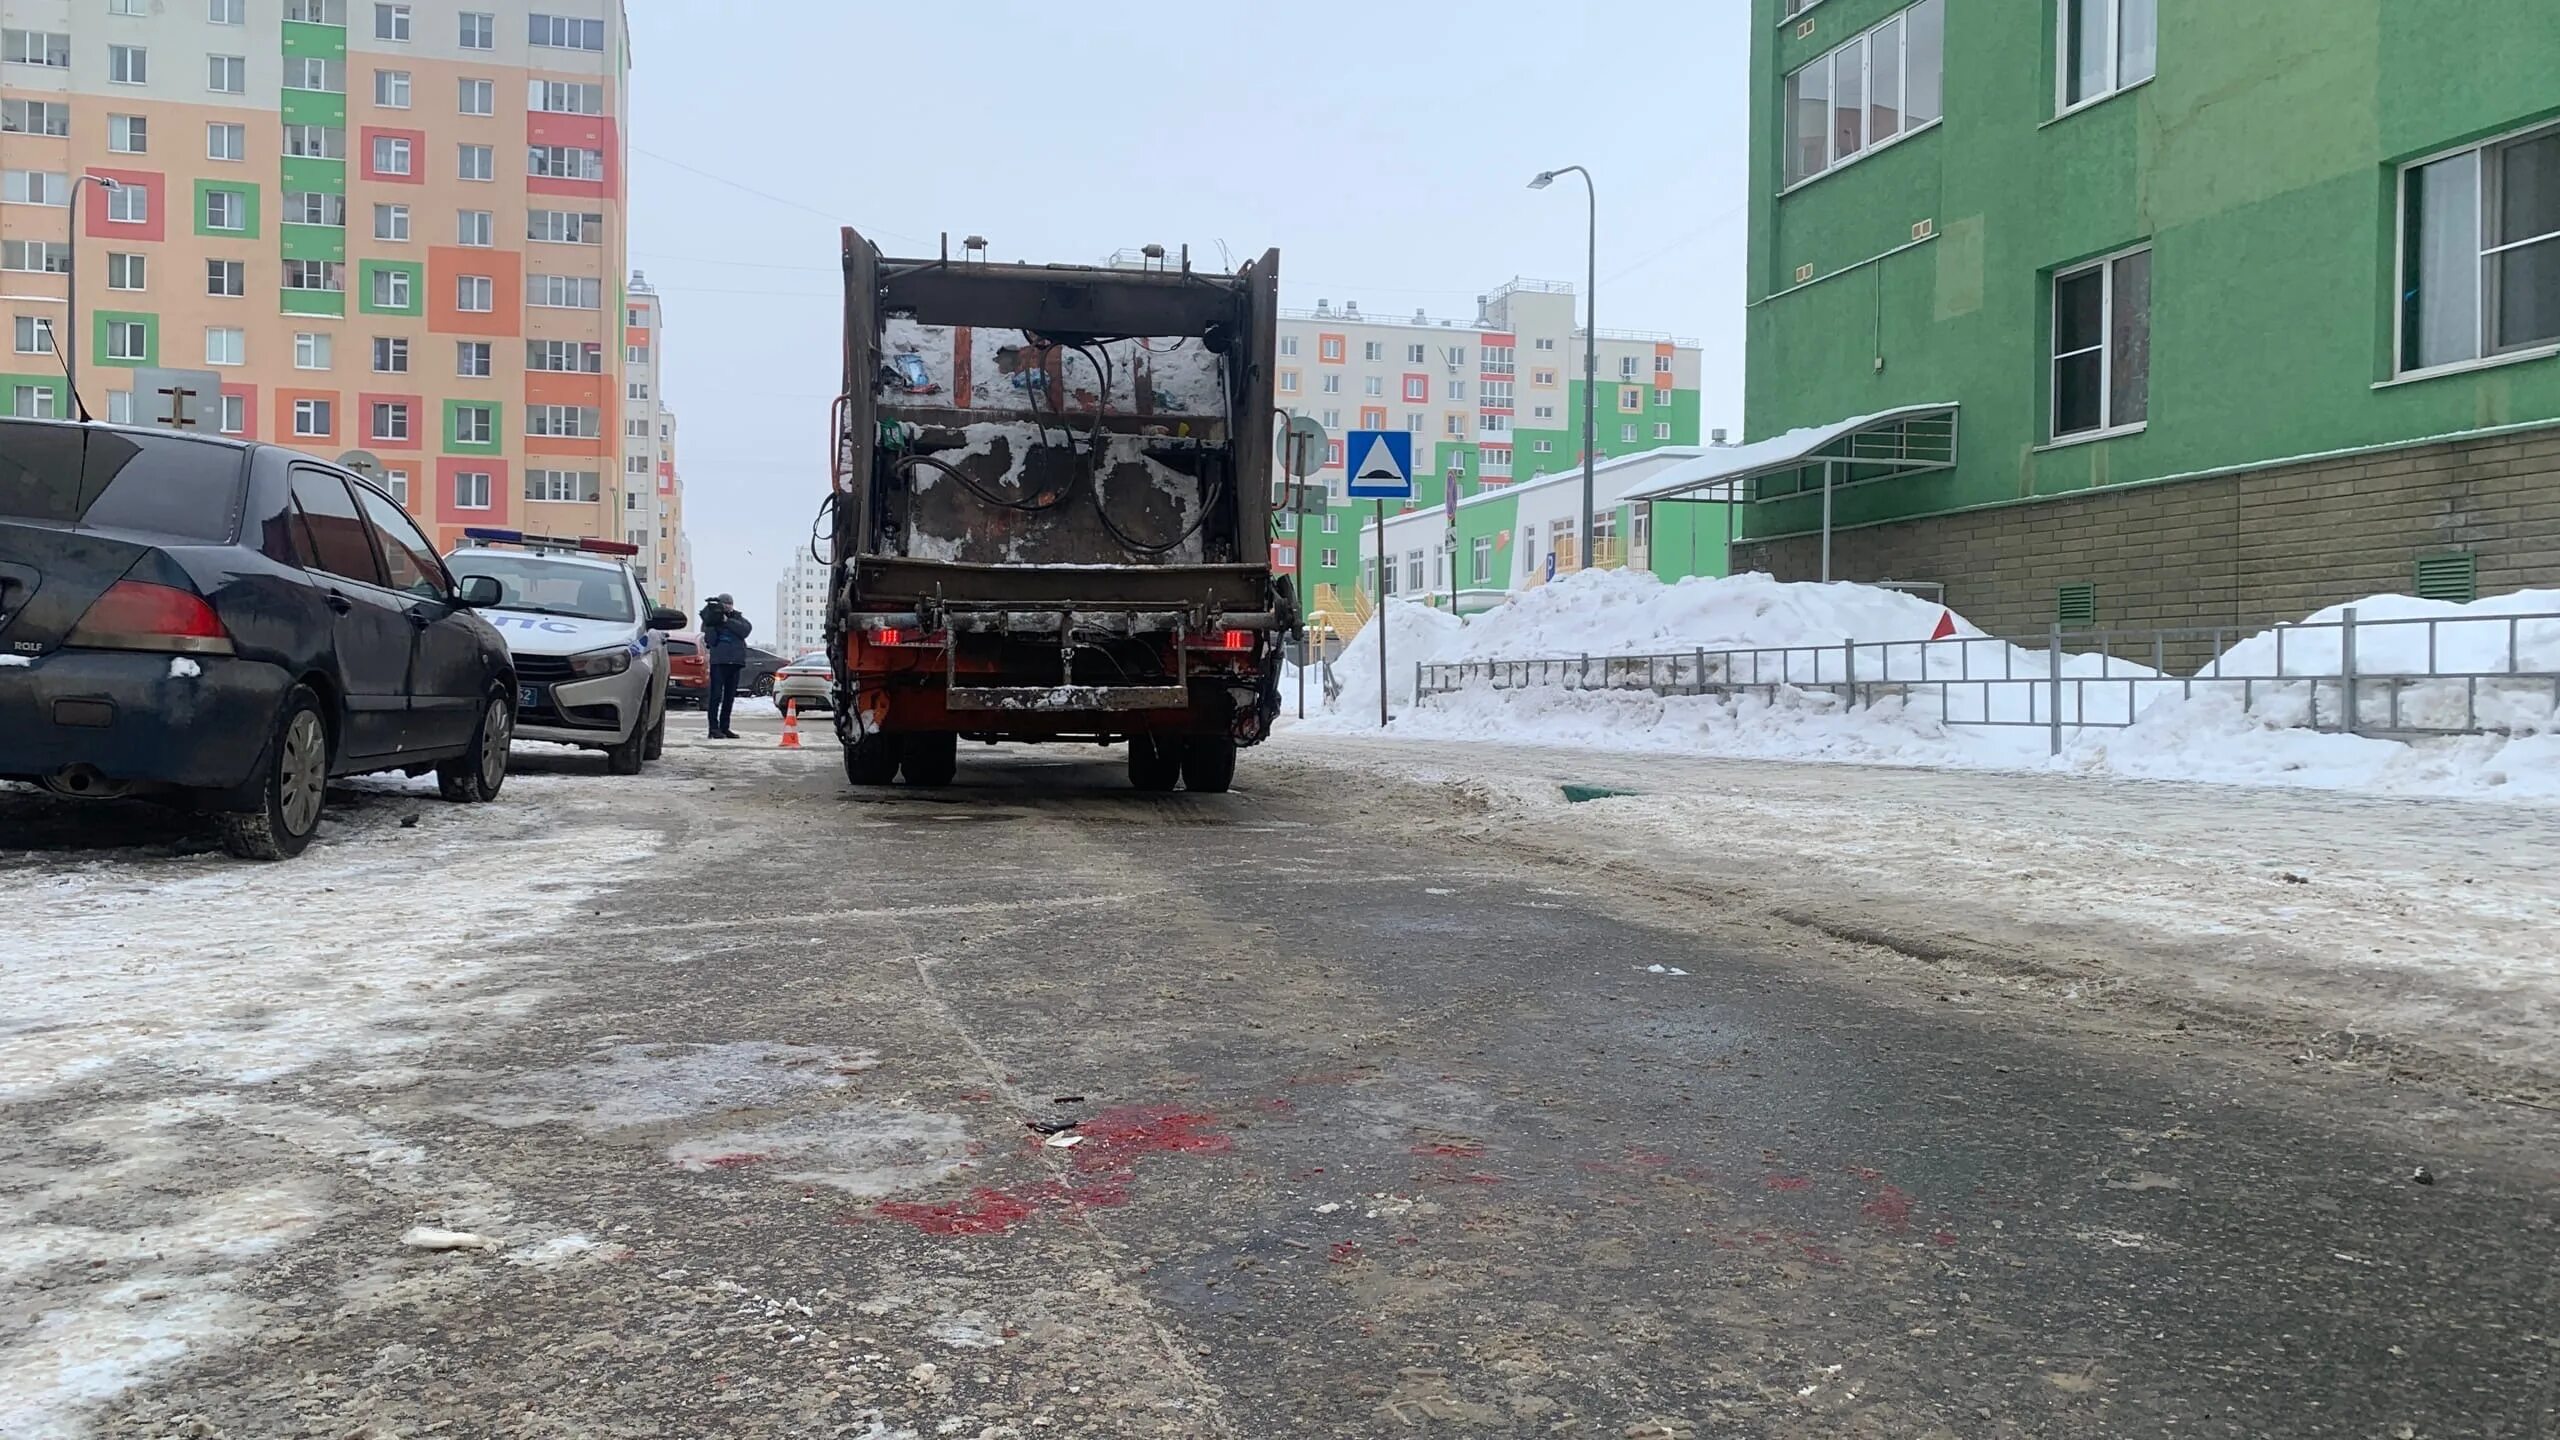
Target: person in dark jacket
x=724, y=648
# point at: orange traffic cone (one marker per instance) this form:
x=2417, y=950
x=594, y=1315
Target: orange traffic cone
x=791, y=725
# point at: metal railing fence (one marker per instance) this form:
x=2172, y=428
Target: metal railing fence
x=2393, y=678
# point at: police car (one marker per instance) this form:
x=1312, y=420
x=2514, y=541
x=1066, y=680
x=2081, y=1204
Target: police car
x=591, y=665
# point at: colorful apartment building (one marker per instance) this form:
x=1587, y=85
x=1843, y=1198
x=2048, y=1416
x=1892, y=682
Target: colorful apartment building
x=652, y=485
x=2109, y=313
x=394, y=232
x=1491, y=401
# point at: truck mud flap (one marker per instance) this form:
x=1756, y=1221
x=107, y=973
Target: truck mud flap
x=1052, y=698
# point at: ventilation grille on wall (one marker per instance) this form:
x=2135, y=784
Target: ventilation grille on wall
x=2075, y=605
x=2452, y=576
x=1804, y=274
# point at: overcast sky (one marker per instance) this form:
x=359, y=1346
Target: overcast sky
x=1383, y=147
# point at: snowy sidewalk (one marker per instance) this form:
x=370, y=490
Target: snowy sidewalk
x=2369, y=923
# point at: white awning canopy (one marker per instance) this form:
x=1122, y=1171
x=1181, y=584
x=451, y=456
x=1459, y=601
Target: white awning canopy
x=1888, y=445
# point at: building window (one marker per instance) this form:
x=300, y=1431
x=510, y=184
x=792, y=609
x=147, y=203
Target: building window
x=128, y=272
x=128, y=340
x=1417, y=389
x=395, y=483
x=1546, y=447
x=33, y=402
x=226, y=142
x=391, y=222
x=1333, y=384
x=475, y=425
x=391, y=22
x=1329, y=559
x=479, y=30
x=390, y=155
x=564, y=292
x=227, y=12
x=48, y=48
x=315, y=207
x=1416, y=354
x=1661, y=429
x=391, y=289
x=478, y=97
x=1631, y=397
x=1626, y=433
x=1456, y=425
x=128, y=134
x=562, y=97
x=1288, y=344
x=471, y=358
x=565, y=486
x=639, y=390
x=228, y=278
x=312, y=72
x=226, y=210
x=1661, y=364
x=35, y=117
x=316, y=12
x=390, y=420
x=1372, y=350
x=128, y=65
x=471, y=490
x=2102, y=345
x=1481, y=565
x=390, y=355
x=129, y=205
x=1374, y=385
x=475, y=228
x=477, y=162
x=581, y=422
x=1661, y=398
x=226, y=74
x=312, y=350
x=36, y=257
x=391, y=89
x=475, y=294
x=33, y=335
x=316, y=142
x=235, y=414
x=1330, y=419
x=311, y=418
x=565, y=227
x=2480, y=252
x=2106, y=46
x=1493, y=424
x=1879, y=86
x=565, y=32
x=1542, y=377
x=1330, y=348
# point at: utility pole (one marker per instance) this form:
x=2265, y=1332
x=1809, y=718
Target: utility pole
x=1590, y=351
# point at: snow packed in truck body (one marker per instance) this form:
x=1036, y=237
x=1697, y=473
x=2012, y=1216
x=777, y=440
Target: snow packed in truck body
x=1051, y=509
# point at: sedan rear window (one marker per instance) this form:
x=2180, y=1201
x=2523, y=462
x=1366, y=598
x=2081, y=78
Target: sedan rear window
x=103, y=479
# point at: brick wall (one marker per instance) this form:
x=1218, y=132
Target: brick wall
x=2244, y=549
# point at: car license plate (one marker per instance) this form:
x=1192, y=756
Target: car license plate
x=528, y=697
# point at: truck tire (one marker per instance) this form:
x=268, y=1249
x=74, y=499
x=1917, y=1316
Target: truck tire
x=872, y=759
x=1209, y=764
x=1154, y=764
x=931, y=760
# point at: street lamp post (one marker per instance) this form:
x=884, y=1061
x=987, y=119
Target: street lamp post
x=71, y=297
x=1590, y=348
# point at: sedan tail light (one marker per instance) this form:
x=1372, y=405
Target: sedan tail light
x=138, y=615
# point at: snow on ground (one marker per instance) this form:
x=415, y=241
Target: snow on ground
x=181, y=1009
x=1800, y=635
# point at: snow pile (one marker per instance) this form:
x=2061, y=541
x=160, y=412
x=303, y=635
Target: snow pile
x=1799, y=637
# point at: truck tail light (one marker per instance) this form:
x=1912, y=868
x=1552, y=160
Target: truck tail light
x=138, y=615
x=889, y=635
x=1234, y=641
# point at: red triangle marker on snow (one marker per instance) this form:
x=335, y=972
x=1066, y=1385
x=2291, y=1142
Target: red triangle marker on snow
x=1946, y=625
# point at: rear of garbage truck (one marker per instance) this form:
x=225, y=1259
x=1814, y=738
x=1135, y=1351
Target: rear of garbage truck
x=1051, y=514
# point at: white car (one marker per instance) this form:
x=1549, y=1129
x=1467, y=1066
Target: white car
x=809, y=679
x=591, y=665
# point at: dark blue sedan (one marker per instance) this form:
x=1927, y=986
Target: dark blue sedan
x=228, y=626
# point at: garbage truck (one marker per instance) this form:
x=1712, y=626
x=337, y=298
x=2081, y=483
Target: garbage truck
x=1050, y=513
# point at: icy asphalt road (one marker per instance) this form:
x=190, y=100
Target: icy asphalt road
x=1384, y=1131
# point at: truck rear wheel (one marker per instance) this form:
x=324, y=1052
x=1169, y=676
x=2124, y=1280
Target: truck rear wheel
x=931, y=760
x=1209, y=764
x=871, y=759
x=1154, y=764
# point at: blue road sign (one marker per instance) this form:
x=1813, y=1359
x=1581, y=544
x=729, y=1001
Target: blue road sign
x=1381, y=464
x=1551, y=564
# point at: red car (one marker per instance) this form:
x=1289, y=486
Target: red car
x=688, y=673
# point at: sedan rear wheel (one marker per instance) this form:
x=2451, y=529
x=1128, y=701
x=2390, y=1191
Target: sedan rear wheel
x=294, y=787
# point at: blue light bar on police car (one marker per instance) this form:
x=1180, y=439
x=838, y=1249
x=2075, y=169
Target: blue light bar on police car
x=548, y=542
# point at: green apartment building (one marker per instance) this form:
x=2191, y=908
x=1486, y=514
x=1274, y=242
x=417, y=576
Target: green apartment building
x=2175, y=310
